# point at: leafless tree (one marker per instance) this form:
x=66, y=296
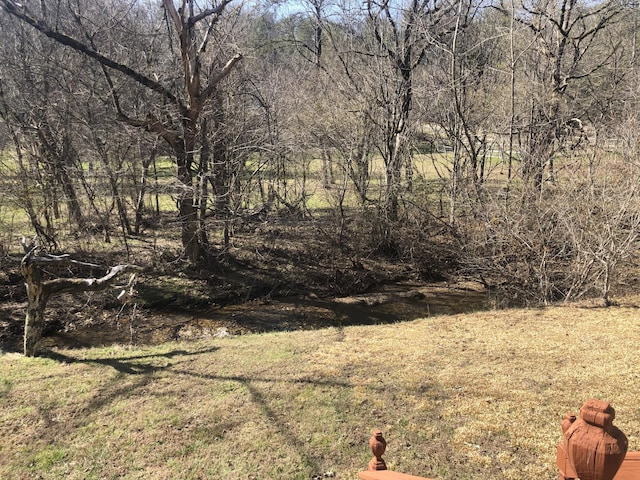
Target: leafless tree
x=176, y=117
x=468, y=82
x=566, y=50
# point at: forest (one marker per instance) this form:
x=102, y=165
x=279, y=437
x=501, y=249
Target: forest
x=236, y=151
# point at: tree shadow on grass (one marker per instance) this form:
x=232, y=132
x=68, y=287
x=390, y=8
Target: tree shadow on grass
x=278, y=421
x=127, y=365
x=136, y=372
x=283, y=424
x=133, y=373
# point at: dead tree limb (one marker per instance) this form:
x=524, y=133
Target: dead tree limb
x=39, y=290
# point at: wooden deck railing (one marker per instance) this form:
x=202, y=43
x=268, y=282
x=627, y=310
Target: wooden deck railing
x=630, y=468
x=592, y=448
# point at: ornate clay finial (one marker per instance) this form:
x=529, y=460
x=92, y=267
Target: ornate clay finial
x=378, y=445
x=592, y=447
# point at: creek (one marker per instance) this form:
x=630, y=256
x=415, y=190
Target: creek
x=388, y=304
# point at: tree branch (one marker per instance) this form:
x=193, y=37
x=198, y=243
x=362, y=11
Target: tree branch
x=22, y=14
x=154, y=125
x=208, y=12
x=60, y=261
x=219, y=76
x=61, y=285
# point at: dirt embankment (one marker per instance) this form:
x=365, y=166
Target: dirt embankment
x=284, y=278
x=75, y=324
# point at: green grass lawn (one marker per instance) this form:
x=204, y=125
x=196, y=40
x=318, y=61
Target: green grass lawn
x=476, y=396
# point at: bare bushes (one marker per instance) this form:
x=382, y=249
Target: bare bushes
x=519, y=249
x=418, y=243
x=573, y=239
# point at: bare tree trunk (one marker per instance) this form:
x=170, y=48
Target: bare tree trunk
x=512, y=98
x=188, y=213
x=122, y=210
x=39, y=291
x=203, y=183
x=142, y=190
x=37, y=301
x=59, y=158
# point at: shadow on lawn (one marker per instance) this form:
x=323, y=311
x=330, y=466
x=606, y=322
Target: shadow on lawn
x=282, y=421
x=127, y=365
x=136, y=372
x=278, y=421
x=141, y=368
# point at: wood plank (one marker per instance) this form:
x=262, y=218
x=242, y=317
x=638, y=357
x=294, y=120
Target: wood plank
x=630, y=468
x=388, y=475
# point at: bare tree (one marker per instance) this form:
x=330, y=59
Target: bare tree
x=401, y=39
x=565, y=51
x=468, y=82
x=41, y=120
x=176, y=118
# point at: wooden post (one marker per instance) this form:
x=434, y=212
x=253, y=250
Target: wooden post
x=377, y=469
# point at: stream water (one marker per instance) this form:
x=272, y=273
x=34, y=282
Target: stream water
x=390, y=304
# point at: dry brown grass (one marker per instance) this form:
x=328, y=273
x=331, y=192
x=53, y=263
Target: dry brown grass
x=475, y=396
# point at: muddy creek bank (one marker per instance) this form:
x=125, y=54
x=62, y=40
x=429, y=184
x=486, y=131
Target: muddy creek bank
x=388, y=304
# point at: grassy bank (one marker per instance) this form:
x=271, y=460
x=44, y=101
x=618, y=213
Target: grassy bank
x=458, y=397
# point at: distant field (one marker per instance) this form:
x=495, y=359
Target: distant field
x=476, y=396
x=304, y=180
x=302, y=188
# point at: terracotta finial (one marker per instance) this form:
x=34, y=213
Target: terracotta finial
x=378, y=445
x=592, y=447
